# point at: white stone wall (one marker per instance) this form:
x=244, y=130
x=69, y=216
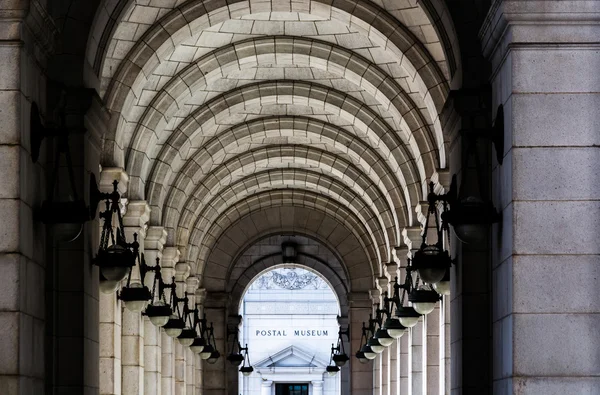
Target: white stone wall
x=275, y=319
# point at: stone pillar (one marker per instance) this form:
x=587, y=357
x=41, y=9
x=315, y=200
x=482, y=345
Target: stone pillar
x=110, y=308
x=344, y=322
x=432, y=351
x=190, y=364
x=215, y=379
x=317, y=387
x=391, y=270
x=361, y=377
x=153, y=247
x=265, y=387
x=382, y=284
x=135, y=220
x=200, y=299
x=445, y=355
x=404, y=360
x=546, y=255
x=375, y=295
x=26, y=42
x=170, y=257
x=182, y=272
x=416, y=352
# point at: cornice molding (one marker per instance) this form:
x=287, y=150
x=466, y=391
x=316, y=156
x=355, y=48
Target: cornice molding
x=498, y=31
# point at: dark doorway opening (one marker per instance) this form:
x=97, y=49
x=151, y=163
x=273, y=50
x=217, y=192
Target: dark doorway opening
x=291, y=389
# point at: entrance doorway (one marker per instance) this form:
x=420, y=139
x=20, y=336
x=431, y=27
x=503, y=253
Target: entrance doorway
x=291, y=389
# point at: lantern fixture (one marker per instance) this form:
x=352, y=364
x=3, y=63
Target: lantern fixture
x=338, y=352
x=246, y=368
x=381, y=335
x=136, y=296
x=423, y=299
x=115, y=260
x=470, y=214
x=215, y=354
x=392, y=325
x=443, y=287
x=175, y=325
x=188, y=334
x=365, y=353
x=159, y=311
x=407, y=315
x=237, y=354
x=72, y=211
x=431, y=260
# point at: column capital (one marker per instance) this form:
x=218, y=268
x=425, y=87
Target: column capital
x=182, y=271
x=400, y=254
x=375, y=295
x=391, y=270
x=317, y=383
x=382, y=284
x=422, y=209
x=512, y=22
x=155, y=239
x=138, y=214
x=170, y=257
x=192, y=284
x=108, y=175
x=412, y=237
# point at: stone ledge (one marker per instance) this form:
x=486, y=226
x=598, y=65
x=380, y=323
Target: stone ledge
x=528, y=15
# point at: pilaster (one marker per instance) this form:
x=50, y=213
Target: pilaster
x=110, y=309
x=156, y=237
x=182, y=272
x=192, y=284
x=361, y=377
x=544, y=59
x=170, y=257
x=135, y=222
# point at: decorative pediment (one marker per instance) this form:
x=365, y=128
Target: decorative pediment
x=292, y=357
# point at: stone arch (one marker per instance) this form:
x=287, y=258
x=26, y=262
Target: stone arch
x=305, y=51
x=337, y=103
x=174, y=23
x=353, y=150
x=342, y=239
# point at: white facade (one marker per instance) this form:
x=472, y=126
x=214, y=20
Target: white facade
x=289, y=323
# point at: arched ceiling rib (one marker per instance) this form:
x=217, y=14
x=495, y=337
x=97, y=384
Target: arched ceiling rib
x=238, y=119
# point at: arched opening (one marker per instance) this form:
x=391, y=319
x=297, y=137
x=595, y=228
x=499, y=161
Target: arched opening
x=290, y=323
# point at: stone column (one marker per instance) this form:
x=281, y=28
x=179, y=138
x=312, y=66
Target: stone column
x=445, y=355
x=135, y=220
x=404, y=361
x=344, y=322
x=546, y=255
x=110, y=308
x=153, y=247
x=432, y=351
x=182, y=272
x=382, y=284
x=317, y=387
x=215, y=379
x=190, y=372
x=200, y=299
x=375, y=295
x=361, y=377
x=26, y=43
x=391, y=270
x=416, y=351
x=170, y=257
x=265, y=387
